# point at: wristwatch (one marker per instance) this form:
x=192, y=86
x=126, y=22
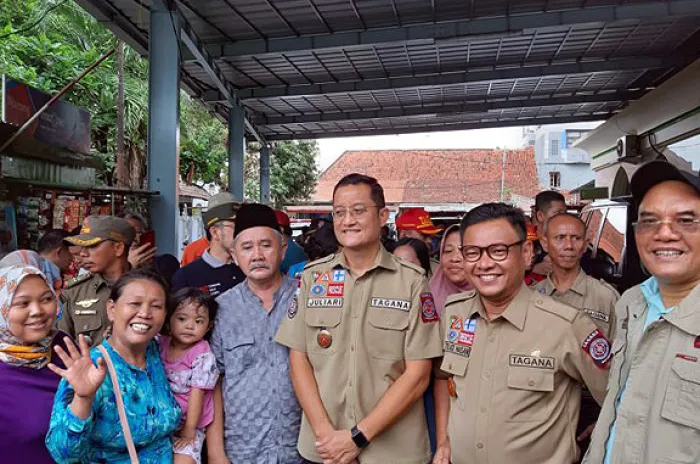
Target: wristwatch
x=359, y=438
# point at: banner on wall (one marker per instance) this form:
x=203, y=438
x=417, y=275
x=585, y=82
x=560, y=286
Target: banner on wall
x=62, y=124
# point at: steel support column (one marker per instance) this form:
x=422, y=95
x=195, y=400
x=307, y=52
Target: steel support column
x=265, y=151
x=236, y=150
x=164, y=124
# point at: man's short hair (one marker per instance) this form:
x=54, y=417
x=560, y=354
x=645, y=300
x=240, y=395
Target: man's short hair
x=377, y=192
x=573, y=216
x=51, y=240
x=493, y=211
x=544, y=200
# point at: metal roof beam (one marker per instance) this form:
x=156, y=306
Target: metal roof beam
x=504, y=73
x=439, y=127
x=474, y=106
x=225, y=88
x=108, y=15
x=462, y=30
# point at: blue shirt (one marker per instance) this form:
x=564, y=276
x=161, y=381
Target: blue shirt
x=655, y=310
x=295, y=254
x=151, y=410
x=295, y=270
x=261, y=414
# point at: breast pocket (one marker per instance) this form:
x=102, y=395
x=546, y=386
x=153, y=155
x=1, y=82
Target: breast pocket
x=529, y=394
x=323, y=330
x=387, y=335
x=87, y=324
x=239, y=355
x=682, y=400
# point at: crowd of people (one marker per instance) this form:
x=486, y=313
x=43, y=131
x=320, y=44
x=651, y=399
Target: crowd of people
x=480, y=342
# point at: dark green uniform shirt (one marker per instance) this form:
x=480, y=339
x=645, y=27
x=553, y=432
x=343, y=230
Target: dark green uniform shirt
x=85, y=307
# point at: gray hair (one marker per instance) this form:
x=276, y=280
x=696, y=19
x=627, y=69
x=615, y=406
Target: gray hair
x=278, y=234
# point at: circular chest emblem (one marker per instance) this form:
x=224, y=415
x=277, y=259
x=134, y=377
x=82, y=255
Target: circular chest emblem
x=600, y=349
x=452, y=336
x=324, y=339
x=318, y=290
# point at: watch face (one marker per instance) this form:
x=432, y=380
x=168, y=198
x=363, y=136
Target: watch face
x=359, y=438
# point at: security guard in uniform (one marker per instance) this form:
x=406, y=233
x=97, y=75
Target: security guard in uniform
x=362, y=332
x=514, y=360
x=564, y=240
x=105, y=242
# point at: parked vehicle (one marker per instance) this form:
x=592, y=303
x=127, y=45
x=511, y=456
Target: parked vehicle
x=612, y=252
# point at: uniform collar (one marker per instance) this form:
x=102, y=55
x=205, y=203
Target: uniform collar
x=515, y=313
x=100, y=281
x=686, y=316
x=384, y=259
x=579, y=285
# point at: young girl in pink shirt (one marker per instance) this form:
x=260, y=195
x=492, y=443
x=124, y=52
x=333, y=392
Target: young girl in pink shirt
x=191, y=369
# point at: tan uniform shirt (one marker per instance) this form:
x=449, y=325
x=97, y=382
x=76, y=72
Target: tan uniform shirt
x=518, y=378
x=596, y=298
x=658, y=419
x=358, y=332
x=85, y=307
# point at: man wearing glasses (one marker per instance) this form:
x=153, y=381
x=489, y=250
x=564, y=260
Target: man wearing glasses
x=651, y=413
x=514, y=360
x=362, y=332
x=215, y=272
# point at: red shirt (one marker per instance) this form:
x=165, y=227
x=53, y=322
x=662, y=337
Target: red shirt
x=193, y=251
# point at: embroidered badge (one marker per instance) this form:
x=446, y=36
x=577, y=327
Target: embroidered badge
x=324, y=303
x=466, y=339
x=339, y=275
x=428, y=311
x=538, y=362
x=597, y=315
x=318, y=290
x=293, y=308
x=598, y=348
x=457, y=349
x=687, y=357
x=315, y=275
x=336, y=289
x=452, y=336
x=87, y=303
x=401, y=305
x=470, y=326
x=697, y=342
x=456, y=323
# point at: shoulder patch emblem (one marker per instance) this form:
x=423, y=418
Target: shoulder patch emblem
x=598, y=348
x=428, y=310
x=293, y=307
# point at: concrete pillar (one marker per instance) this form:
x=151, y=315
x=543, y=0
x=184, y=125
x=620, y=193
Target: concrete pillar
x=236, y=150
x=265, y=174
x=164, y=124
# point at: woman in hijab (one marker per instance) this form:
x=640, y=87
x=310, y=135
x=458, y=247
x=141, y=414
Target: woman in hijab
x=32, y=258
x=450, y=277
x=28, y=311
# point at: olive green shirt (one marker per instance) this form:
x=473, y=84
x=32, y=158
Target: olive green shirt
x=85, y=308
x=358, y=331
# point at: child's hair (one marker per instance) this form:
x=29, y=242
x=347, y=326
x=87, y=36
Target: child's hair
x=195, y=296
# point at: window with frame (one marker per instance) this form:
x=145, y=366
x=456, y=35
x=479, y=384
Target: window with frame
x=554, y=179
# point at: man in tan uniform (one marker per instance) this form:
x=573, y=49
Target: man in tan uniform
x=564, y=239
x=362, y=333
x=516, y=359
x=651, y=413
x=105, y=242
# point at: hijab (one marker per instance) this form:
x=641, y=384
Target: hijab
x=440, y=285
x=12, y=350
x=31, y=258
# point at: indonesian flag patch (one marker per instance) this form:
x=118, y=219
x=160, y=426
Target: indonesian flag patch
x=598, y=348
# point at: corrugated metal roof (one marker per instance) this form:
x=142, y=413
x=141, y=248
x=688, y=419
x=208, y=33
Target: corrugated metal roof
x=318, y=68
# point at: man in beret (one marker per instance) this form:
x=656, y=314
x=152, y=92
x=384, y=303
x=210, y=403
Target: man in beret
x=215, y=272
x=104, y=243
x=261, y=413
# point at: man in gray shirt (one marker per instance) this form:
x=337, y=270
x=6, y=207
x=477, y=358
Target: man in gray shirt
x=261, y=413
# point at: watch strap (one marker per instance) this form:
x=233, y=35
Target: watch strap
x=359, y=438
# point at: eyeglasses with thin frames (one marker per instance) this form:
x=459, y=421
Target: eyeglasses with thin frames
x=356, y=212
x=683, y=225
x=497, y=252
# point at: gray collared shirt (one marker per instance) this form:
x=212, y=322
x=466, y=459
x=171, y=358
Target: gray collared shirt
x=262, y=416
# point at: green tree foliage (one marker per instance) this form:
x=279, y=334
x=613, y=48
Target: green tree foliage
x=66, y=40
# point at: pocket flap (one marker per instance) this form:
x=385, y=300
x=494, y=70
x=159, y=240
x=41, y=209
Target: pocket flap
x=524, y=378
x=234, y=342
x=686, y=370
x=322, y=317
x=455, y=365
x=390, y=319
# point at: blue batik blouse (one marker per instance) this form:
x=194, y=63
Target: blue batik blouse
x=151, y=409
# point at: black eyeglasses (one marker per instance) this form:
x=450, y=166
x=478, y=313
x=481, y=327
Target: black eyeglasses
x=497, y=252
